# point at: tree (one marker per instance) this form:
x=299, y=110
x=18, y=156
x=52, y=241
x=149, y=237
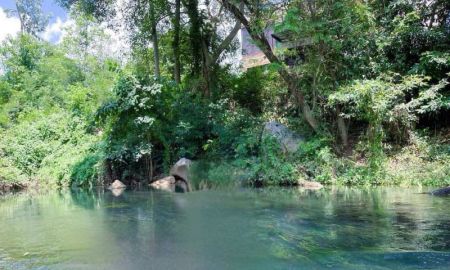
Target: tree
x=176, y=41
x=154, y=34
x=339, y=38
x=32, y=19
x=86, y=38
x=257, y=34
x=213, y=44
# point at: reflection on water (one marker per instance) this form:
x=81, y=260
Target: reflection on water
x=343, y=228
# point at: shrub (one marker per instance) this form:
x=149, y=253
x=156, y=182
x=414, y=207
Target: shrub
x=88, y=171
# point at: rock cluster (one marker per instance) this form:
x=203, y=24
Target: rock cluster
x=178, y=179
x=166, y=183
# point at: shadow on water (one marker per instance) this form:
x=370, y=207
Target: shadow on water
x=141, y=221
x=272, y=228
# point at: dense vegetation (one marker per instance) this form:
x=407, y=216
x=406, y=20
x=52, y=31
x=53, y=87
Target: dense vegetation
x=370, y=93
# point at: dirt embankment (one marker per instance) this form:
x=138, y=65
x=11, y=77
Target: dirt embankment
x=10, y=187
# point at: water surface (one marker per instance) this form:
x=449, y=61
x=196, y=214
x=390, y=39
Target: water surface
x=375, y=228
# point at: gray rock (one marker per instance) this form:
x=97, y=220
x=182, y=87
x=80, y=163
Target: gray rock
x=170, y=184
x=289, y=140
x=178, y=180
x=181, y=186
x=441, y=192
x=180, y=171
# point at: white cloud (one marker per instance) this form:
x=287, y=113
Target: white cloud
x=115, y=44
x=55, y=31
x=8, y=25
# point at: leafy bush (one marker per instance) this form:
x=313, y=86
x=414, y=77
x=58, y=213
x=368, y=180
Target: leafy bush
x=46, y=148
x=88, y=171
x=46, y=100
x=274, y=167
x=269, y=166
x=431, y=159
x=317, y=161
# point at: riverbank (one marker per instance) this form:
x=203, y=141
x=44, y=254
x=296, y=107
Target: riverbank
x=11, y=187
x=414, y=165
x=424, y=160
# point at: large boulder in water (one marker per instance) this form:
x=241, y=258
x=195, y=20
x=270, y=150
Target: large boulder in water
x=117, y=185
x=166, y=183
x=289, y=140
x=312, y=185
x=178, y=180
x=441, y=192
x=170, y=184
x=181, y=169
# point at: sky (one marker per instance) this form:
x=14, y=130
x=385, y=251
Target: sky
x=49, y=6
x=53, y=33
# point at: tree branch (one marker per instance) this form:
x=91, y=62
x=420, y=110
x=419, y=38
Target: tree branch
x=226, y=42
x=264, y=45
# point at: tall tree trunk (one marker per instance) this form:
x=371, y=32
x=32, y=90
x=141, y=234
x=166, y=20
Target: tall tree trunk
x=154, y=38
x=148, y=161
x=207, y=67
x=195, y=35
x=176, y=42
x=264, y=46
x=299, y=98
x=19, y=14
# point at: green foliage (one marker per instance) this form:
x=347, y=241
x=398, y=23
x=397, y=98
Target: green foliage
x=273, y=167
x=133, y=119
x=247, y=90
x=221, y=174
x=409, y=39
x=431, y=159
x=87, y=171
x=10, y=173
x=337, y=40
x=261, y=161
x=32, y=19
x=46, y=102
x=317, y=160
x=45, y=148
x=382, y=102
x=435, y=64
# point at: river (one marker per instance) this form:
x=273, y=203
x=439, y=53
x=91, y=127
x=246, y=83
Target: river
x=272, y=228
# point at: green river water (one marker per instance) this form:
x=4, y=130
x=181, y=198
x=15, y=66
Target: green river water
x=335, y=228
